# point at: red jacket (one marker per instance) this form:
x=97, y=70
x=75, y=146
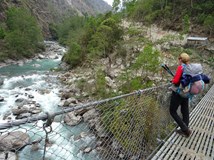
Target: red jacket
x=176, y=79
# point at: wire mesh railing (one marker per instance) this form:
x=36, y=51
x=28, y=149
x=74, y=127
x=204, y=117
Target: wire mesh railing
x=129, y=127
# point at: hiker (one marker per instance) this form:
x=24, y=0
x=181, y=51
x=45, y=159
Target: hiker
x=177, y=100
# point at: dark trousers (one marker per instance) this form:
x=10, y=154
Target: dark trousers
x=176, y=101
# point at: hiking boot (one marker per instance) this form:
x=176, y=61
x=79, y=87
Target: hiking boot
x=179, y=131
x=186, y=133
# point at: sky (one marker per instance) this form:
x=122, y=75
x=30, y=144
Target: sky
x=109, y=2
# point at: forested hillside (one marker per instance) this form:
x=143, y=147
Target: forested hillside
x=196, y=17
x=25, y=23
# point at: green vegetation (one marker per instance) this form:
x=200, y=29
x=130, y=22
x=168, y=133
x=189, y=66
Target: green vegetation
x=89, y=38
x=186, y=24
x=2, y=33
x=132, y=83
x=147, y=63
x=170, y=13
x=74, y=54
x=133, y=121
x=70, y=29
x=22, y=37
x=100, y=86
x=209, y=23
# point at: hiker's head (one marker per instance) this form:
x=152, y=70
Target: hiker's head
x=184, y=58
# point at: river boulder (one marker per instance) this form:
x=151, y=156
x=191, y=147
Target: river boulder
x=13, y=141
x=1, y=82
x=1, y=99
x=72, y=119
x=21, y=101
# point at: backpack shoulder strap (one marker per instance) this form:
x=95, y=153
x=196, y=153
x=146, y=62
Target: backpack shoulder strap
x=183, y=67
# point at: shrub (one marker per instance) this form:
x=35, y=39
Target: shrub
x=2, y=33
x=24, y=34
x=134, y=120
x=73, y=57
x=147, y=61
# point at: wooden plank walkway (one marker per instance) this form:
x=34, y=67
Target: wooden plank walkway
x=200, y=145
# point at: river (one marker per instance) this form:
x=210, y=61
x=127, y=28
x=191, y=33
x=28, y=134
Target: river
x=31, y=79
x=35, y=82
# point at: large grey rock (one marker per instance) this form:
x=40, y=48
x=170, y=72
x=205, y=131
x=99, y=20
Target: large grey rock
x=21, y=101
x=71, y=119
x=13, y=141
x=26, y=109
x=91, y=114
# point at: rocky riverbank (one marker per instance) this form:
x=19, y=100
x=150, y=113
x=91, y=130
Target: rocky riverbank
x=52, y=51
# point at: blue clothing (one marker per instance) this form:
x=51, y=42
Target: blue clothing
x=187, y=79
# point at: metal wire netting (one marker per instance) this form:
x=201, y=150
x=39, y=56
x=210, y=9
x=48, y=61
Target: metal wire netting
x=126, y=127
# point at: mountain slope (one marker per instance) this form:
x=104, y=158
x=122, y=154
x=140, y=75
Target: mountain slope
x=54, y=11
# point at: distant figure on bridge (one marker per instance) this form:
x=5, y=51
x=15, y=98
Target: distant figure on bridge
x=177, y=100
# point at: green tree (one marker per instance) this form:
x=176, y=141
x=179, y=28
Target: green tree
x=101, y=84
x=53, y=31
x=2, y=33
x=69, y=29
x=186, y=24
x=106, y=37
x=209, y=23
x=147, y=61
x=24, y=35
x=116, y=5
x=73, y=57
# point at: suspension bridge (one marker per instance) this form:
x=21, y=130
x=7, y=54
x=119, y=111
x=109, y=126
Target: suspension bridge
x=134, y=126
x=200, y=145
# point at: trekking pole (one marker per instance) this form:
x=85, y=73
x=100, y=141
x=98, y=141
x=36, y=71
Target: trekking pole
x=164, y=66
x=169, y=70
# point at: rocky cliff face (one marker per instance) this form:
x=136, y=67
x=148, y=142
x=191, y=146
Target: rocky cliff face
x=50, y=11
